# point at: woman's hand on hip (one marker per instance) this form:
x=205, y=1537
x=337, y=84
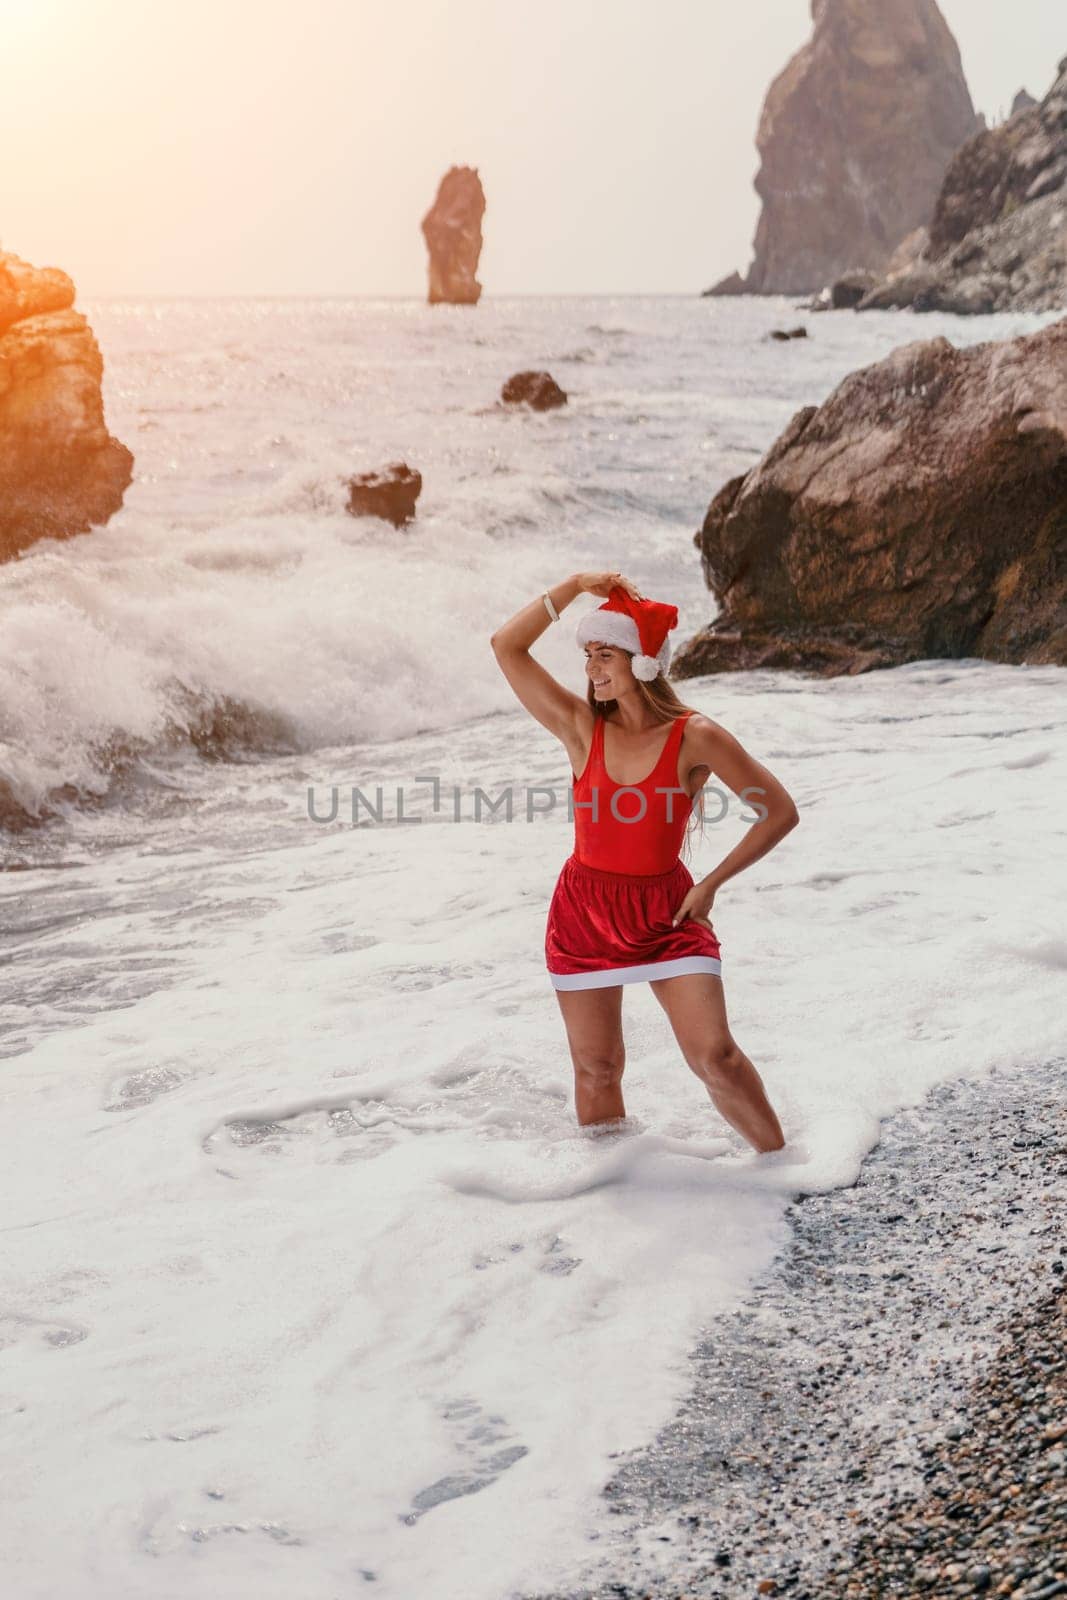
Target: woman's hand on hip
x=696, y=906
x=602, y=583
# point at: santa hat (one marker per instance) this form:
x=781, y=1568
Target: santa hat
x=640, y=626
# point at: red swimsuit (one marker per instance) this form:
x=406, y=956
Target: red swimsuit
x=609, y=920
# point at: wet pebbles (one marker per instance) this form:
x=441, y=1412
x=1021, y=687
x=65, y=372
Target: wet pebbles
x=994, y=1515
x=888, y=1415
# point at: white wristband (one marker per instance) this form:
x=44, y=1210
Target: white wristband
x=553, y=613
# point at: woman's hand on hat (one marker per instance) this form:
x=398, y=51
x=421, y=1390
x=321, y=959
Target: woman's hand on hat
x=696, y=906
x=602, y=583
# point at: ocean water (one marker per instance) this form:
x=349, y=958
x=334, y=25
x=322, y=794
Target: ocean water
x=311, y=1283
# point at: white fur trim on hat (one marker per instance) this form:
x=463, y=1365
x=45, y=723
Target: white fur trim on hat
x=609, y=627
x=615, y=627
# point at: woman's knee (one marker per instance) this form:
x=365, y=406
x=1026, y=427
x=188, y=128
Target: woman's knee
x=599, y=1071
x=720, y=1064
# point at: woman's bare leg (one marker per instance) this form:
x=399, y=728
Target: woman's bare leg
x=593, y=1020
x=696, y=1006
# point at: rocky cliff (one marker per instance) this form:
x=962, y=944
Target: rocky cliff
x=997, y=240
x=854, y=139
x=60, y=469
x=921, y=511
x=452, y=229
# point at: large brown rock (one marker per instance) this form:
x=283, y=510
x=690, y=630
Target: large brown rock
x=854, y=139
x=920, y=512
x=60, y=469
x=998, y=234
x=27, y=291
x=452, y=229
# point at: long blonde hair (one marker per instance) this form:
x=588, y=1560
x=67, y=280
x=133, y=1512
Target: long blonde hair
x=660, y=698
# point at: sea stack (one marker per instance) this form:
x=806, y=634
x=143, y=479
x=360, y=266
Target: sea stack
x=452, y=229
x=854, y=139
x=997, y=240
x=920, y=511
x=60, y=469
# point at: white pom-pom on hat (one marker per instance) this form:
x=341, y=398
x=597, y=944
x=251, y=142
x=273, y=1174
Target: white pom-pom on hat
x=645, y=667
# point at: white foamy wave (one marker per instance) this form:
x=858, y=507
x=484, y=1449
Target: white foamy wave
x=233, y=606
x=271, y=632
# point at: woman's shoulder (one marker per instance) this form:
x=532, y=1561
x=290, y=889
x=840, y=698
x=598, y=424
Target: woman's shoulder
x=704, y=733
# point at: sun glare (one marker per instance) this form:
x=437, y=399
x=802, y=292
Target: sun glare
x=20, y=16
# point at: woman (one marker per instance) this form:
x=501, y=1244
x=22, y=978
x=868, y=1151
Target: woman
x=625, y=907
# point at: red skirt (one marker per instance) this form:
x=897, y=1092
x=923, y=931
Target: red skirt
x=607, y=928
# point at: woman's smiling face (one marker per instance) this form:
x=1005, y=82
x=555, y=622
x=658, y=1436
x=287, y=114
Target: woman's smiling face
x=608, y=670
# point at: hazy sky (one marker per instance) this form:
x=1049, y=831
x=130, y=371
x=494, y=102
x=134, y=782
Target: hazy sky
x=255, y=146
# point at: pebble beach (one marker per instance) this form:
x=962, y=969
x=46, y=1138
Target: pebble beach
x=889, y=1415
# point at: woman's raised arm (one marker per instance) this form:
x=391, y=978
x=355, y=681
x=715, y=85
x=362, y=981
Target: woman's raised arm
x=554, y=706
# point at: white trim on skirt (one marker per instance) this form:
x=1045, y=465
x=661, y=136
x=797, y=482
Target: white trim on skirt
x=605, y=977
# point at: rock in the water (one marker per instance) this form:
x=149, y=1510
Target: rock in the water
x=789, y=333
x=920, y=512
x=847, y=291
x=391, y=493
x=854, y=139
x=537, y=389
x=60, y=469
x=998, y=235
x=733, y=283
x=452, y=229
